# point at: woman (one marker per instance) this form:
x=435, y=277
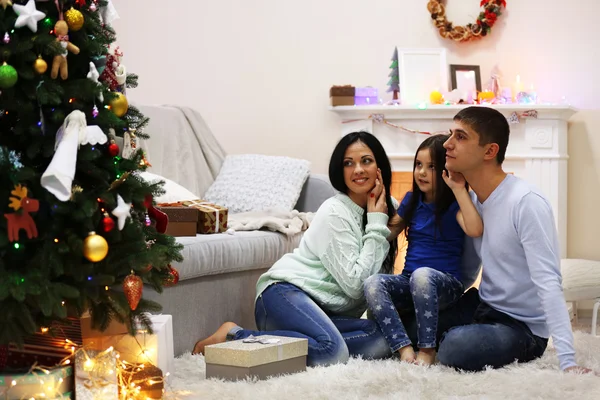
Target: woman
x=316, y=292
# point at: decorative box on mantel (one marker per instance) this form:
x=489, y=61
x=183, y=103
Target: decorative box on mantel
x=365, y=96
x=537, y=150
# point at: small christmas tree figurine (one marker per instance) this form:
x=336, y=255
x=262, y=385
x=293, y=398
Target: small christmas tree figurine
x=394, y=82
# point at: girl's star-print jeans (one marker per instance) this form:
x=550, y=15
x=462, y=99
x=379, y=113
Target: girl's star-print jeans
x=425, y=290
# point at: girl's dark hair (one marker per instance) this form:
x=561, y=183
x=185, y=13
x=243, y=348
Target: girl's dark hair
x=444, y=196
x=336, y=176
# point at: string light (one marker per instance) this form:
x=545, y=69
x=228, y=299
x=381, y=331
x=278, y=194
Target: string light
x=101, y=366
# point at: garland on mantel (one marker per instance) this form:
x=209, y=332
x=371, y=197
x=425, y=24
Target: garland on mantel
x=492, y=9
x=514, y=118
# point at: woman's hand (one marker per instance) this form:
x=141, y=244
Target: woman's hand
x=377, y=198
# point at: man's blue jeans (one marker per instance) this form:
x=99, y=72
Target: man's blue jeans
x=494, y=339
x=285, y=310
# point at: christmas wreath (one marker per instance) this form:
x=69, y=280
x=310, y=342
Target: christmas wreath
x=486, y=19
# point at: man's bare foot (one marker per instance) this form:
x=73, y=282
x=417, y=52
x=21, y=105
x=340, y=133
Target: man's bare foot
x=426, y=357
x=407, y=354
x=218, y=337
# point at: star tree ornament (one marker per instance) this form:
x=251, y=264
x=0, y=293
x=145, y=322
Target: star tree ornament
x=5, y=3
x=122, y=212
x=28, y=15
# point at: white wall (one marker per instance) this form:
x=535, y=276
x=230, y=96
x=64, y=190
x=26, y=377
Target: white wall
x=252, y=66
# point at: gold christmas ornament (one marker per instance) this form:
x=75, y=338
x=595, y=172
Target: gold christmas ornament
x=95, y=247
x=40, y=65
x=74, y=19
x=119, y=105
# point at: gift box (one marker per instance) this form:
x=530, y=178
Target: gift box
x=183, y=221
x=342, y=95
x=343, y=91
x=149, y=382
x=155, y=349
x=212, y=218
x=257, y=357
x=366, y=96
x=342, y=101
x=47, y=383
x=46, y=347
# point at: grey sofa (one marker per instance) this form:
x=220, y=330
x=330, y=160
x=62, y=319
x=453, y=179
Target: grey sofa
x=219, y=273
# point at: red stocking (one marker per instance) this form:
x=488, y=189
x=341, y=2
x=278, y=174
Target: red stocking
x=162, y=219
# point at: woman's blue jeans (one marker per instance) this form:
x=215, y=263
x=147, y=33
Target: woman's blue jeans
x=285, y=310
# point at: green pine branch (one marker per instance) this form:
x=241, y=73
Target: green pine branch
x=46, y=279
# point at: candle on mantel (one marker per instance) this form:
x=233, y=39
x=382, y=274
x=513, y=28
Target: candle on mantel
x=532, y=94
x=518, y=86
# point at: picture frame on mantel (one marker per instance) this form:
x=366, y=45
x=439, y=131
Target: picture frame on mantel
x=421, y=70
x=465, y=78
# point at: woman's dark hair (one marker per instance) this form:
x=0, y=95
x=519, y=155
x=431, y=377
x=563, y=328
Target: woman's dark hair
x=443, y=196
x=336, y=176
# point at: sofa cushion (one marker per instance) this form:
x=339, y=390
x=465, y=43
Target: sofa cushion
x=254, y=182
x=581, y=279
x=174, y=192
x=224, y=253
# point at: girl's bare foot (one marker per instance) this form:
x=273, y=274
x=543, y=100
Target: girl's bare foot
x=426, y=357
x=407, y=354
x=218, y=337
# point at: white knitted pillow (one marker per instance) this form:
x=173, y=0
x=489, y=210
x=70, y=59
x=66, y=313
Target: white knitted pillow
x=253, y=182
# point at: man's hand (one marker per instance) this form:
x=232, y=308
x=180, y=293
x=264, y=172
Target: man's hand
x=580, y=370
x=454, y=180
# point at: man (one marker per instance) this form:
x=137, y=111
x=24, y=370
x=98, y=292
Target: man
x=522, y=303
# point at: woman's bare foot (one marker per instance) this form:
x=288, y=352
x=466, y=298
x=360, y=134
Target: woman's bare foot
x=218, y=337
x=426, y=357
x=407, y=354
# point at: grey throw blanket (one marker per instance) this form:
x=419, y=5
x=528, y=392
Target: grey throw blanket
x=182, y=147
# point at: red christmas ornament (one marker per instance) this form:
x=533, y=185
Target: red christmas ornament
x=133, y=287
x=108, y=222
x=113, y=149
x=162, y=219
x=173, y=277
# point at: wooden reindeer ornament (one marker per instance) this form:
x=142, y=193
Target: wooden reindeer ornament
x=61, y=30
x=21, y=219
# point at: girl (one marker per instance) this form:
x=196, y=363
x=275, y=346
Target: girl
x=316, y=292
x=435, y=215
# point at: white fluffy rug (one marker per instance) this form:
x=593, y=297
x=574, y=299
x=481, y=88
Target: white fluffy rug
x=390, y=379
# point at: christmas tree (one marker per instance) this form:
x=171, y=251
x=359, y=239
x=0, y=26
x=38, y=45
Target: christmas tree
x=78, y=230
x=394, y=82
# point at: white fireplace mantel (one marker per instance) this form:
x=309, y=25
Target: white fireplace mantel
x=537, y=150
